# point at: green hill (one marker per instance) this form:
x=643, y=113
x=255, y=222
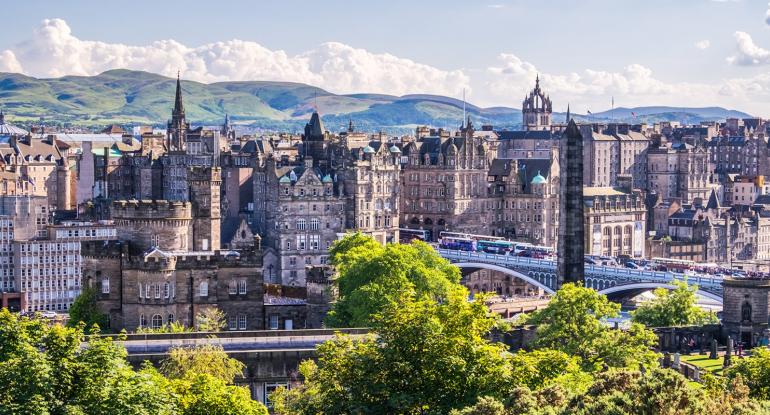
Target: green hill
x=134, y=97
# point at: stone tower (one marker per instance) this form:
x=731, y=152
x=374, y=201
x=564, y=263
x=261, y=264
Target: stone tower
x=314, y=139
x=536, y=110
x=205, y=184
x=178, y=126
x=571, y=245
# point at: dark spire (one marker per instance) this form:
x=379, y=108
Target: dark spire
x=537, y=82
x=350, y=125
x=568, y=117
x=178, y=106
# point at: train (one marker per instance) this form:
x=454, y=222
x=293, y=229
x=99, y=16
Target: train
x=492, y=245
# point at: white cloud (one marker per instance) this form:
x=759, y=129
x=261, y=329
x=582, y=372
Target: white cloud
x=495, y=6
x=8, y=62
x=703, y=44
x=747, y=52
x=54, y=51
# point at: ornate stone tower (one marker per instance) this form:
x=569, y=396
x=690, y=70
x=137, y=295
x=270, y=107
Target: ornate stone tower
x=178, y=126
x=314, y=139
x=536, y=110
x=571, y=244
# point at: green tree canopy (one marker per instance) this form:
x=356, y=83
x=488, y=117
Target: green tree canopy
x=574, y=322
x=427, y=357
x=85, y=311
x=372, y=276
x=676, y=307
x=754, y=371
x=44, y=369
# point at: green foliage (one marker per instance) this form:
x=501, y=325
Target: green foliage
x=371, y=277
x=426, y=358
x=208, y=359
x=673, y=308
x=204, y=394
x=210, y=319
x=485, y=406
x=754, y=371
x=543, y=368
x=85, y=311
x=174, y=327
x=573, y=323
x=45, y=370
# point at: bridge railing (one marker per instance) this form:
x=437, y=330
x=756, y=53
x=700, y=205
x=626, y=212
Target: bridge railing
x=599, y=271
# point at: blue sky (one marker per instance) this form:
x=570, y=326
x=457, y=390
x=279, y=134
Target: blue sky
x=653, y=52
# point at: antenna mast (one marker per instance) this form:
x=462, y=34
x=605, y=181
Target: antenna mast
x=463, y=106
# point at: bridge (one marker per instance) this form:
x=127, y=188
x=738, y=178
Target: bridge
x=611, y=281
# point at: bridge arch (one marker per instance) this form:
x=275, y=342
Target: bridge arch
x=504, y=270
x=651, y=286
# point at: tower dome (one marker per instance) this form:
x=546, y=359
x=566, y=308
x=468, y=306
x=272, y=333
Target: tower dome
x=538, y=179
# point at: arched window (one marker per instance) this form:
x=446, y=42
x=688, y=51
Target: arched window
x=315, y=224
x=301, y=224
x=203, y=289
x=428, y=221
x=618, y=239
x=415, y=221
x=157, y=321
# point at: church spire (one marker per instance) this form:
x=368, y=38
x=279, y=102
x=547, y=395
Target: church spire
x=178, y=105
x=568, y=116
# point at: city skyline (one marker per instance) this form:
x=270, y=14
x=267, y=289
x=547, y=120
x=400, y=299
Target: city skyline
x=493, y=50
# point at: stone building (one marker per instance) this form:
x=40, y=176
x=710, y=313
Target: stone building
x=156, y=287
x=444, y=182
x=746, y=309
x=333, y=185
x=614, y=221
x=525, y=203
x=34, y=166
x=678, y=171
x=613, y=150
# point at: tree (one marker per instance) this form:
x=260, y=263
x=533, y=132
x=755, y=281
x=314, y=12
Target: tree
x=573, y=322
x=370, y=277
x=427, y=357
x=52, y=369
x=84, y=310
x=208, y=359
x=754, y=371
x=210, y=319
x=546, y=367
x=677, y=307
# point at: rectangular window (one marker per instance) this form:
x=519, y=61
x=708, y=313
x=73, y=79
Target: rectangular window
x=241, y=321
x=233, y=287
x=242, y=287
x=105, y=286
x=157, y=290
x=232, y=323
x=274, y=322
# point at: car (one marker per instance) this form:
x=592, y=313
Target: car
x=48, y=314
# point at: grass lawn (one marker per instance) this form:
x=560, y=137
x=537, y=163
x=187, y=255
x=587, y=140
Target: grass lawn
x=702, y=361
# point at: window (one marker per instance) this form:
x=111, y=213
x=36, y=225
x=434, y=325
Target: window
x=142, y=320
x=242, y=287
x=157, y=321
x=148, y=291
x=301, y=225
x=273, y=322
x=166, y=290
x=171, y=318
x=232, y=323
x=241, y=321
x=203, y=289
x=315, y=224
x=157, y=291
x=233, y=287
x=105, y=285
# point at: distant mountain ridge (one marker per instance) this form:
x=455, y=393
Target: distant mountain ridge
x=134, y=97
